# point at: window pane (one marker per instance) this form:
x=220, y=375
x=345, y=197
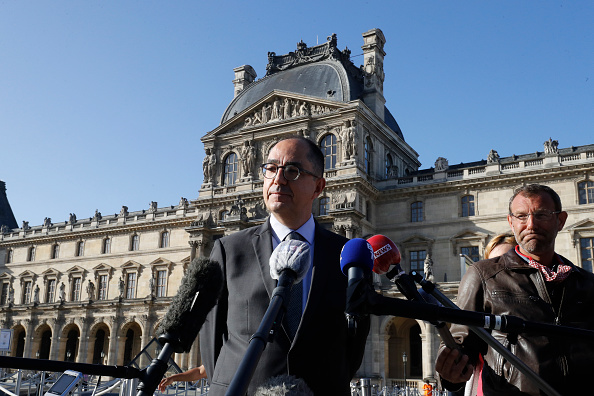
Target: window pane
x=130, y=285
x=27, y=292
x=76, y=285
x=416, y=211
x=417, y=260
x=324, y=206
x=467, y=206
x=161, y=283
x=102, y=295
x=230, y=169
x=165, y=239
x=587, y=253
x=51, y=289
x=328, y=147
x=80, y=249
x=135, y=242
x=4, y=293
x=471, y=251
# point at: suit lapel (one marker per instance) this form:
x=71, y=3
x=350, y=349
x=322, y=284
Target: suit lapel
x=262, y=244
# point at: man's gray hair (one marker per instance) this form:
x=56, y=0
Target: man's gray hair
x=537, y=189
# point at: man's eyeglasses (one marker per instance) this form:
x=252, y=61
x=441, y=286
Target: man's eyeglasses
x=290, y=172
x=538, y=216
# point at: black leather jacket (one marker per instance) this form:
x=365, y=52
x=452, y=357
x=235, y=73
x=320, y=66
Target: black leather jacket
x=506, y=285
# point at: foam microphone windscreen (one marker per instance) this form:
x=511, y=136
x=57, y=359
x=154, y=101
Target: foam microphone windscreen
x=385, y=253
x=291, y=254
x=198, y=293
x=357, y=252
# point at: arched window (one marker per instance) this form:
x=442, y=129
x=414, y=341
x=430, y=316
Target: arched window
x=368, y=156
x=328, y=147
x=586, y=192
x=416, y=212
x=416, y=351
x=468, y=205
x=165, y=239
x=324, y=206
x=223, y=215
x=230, y=170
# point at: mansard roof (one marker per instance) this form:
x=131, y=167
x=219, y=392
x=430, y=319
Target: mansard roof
x=321, y=72
x=327, y=80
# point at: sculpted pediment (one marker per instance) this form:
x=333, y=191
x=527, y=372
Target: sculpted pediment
x=76, y=269
x=131, y=264
x=50, y=271
x=276, y=107
x=586, y=224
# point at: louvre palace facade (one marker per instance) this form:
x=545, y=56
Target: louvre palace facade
x=94, y=289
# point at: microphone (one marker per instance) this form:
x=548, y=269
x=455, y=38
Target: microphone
x=356, y=262
x=386, y=253
x=288, y=263
x=291, y=258
x=198, y=293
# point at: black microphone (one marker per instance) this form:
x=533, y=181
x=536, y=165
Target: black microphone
x=356, y=262
x=198, y=293
x=289, y=264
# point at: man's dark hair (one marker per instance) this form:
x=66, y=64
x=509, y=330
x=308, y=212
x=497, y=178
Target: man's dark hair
x=314, y=155
x=537, y=189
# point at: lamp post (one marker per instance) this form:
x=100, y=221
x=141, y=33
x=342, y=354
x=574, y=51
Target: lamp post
x=404, y=359
x=102, y=357
x=68, y=355
x=37, y=354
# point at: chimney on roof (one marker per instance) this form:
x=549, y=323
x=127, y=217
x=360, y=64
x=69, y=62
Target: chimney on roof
x=244, y=76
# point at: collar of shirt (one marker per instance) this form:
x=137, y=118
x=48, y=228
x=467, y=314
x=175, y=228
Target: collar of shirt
x=280, y=231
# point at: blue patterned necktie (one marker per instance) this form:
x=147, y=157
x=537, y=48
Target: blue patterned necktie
x=295, y=307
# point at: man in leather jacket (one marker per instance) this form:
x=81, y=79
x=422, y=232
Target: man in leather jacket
x=535, y=284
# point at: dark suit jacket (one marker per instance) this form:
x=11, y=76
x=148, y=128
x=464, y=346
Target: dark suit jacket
x=322, y=353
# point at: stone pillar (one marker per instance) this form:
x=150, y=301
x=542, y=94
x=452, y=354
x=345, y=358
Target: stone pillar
x=28, y=352
x=55, y=345
x=373, y=67
x=430, y=342
x=83, y=345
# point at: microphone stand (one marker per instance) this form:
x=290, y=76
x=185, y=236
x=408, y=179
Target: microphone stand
x=484, y=335
x=265, y=333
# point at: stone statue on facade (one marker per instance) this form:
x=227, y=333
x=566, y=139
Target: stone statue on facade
x=152, y=286
x=11, y=295
x=91, y=290
x=248, y=158
x=122, y=287
x=551, y=146
x=4, y=229
x=208, y=165
x=183, y=202
x=276, y=110
x=62, y=292
x=348, y=137
x=441, y=164
x=72, y=218
x=97, y=215
x=124, y=211
x=493, y=157
x=36, y=294
x=25, y=225
x=47, y=222
x=152, y=207
x=428, y=268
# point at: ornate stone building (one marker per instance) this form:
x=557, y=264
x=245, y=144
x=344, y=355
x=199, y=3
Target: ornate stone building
x=96, y=288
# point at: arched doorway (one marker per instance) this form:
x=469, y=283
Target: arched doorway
x=45, y=344
x=403, y=336
x=132, y=337
x=99, y=344
x=98, y=348
x=19, y=336
x=71, y=345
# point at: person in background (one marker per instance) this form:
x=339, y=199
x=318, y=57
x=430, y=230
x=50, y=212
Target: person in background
x=193, y=374
x=536, y=284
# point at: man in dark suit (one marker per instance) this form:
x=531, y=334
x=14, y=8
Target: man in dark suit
x=321, y=352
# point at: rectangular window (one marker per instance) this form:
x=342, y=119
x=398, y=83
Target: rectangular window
x=31, y=254
x=130, y=285
x=324, y=206
x=76, y=286
x=106, y=246
x=416, y=212
x=471, y=251
x=50, y=293
x=27, y=286
x=586, y=192
x=102, y=292
x=135, y=242
x=417, y=260
x=467, y=206
x=165, y=239
x=55, y=251
x=587, y=253
x=161, y=283
x=4, y=293
x=9, y=256
x=80, y=249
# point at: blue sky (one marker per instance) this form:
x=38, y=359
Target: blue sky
x=103, y=103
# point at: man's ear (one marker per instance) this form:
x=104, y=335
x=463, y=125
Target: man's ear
x=320, y=185
x=562, y=219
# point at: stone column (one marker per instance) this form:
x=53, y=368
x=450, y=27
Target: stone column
x=430, y=342
x=83, y=345
x=55, y=345
x=113, y=343
x=28, y=352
